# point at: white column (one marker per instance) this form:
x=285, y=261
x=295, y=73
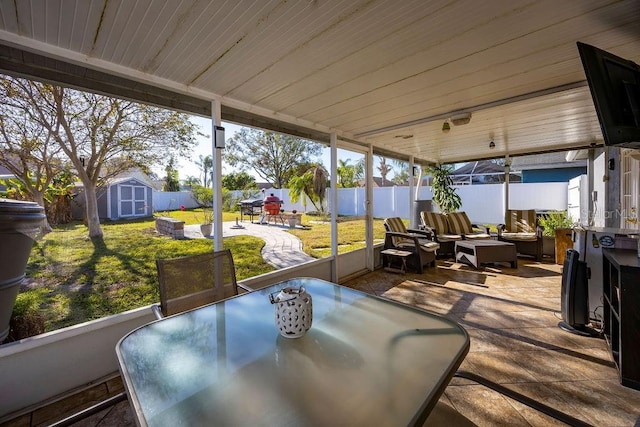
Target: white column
x=216, y=182
x=412, y=219
x=369, y=208
x=334, y=205
x=507, y=171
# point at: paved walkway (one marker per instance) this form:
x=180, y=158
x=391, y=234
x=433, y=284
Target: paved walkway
x=282, y=249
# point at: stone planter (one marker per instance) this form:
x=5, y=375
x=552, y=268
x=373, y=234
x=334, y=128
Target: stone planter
x=20, y=223
x=206, y=229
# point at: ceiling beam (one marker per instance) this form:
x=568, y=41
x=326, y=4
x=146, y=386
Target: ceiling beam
x=22, y=63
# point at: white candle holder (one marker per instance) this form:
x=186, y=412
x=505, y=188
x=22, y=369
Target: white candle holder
x=294, y=311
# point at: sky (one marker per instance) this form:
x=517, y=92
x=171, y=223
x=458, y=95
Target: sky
x=187, y=166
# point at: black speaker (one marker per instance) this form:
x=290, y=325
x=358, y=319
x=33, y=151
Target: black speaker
x=575, y=295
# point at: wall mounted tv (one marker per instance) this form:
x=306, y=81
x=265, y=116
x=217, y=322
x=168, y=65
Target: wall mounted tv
x=615, y=88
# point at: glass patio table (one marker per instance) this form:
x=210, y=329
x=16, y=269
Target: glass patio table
x=365, y=361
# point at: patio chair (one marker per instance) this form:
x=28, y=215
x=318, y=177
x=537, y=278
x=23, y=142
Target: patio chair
x=437, y=224
x=459, y=223
x=192, y=281
x=418, y=242
x=521, y=228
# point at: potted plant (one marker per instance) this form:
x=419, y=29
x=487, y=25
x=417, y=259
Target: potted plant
x=206, y=227
x=556, y=234
x=444, y=193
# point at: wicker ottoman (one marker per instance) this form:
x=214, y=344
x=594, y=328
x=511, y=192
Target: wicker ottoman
x=478, y=252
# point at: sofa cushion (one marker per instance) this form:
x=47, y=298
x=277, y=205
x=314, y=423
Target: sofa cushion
x=477, y=236
x=448, y=237
x=459, y=223
x=520, y=236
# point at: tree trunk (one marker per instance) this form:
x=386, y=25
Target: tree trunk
x=91, y=209
x=38, y=197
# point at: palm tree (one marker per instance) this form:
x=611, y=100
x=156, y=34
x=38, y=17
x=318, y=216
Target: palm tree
x=312, y=184
x=384, y=169
x=206, y=166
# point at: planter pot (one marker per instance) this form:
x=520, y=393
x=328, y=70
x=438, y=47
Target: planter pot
x=293, y=222
x=20, y=223
x=206, y=229
x=549, y=246
x=564, y=241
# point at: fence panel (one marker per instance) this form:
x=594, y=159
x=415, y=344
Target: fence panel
x=173, y=200
x=538, y=195
x=483, y=203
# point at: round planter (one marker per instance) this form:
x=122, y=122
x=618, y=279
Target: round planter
x=206, y=229
x=20, y=223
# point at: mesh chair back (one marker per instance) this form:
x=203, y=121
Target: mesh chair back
x=192, y=281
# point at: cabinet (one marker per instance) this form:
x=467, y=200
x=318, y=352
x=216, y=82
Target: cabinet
x=621, y=291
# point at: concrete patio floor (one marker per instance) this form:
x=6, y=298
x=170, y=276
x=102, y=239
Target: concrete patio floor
x=511, y=316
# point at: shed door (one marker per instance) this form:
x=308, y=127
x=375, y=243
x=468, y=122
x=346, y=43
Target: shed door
x=132, y=200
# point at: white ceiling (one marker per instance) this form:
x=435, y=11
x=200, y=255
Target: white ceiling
x=383, y=72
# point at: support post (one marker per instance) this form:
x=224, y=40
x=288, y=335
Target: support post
x=216, y=182
x=334, y=205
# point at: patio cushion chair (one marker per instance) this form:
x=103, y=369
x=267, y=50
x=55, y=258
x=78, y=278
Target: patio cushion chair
x=459, y=223
x=436, y=223
x=418, y=242
x=521, y=228
x=192, y=281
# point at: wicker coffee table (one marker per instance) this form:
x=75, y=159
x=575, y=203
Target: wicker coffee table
x=478, y=252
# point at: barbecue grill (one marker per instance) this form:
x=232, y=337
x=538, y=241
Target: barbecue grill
x=251, y=208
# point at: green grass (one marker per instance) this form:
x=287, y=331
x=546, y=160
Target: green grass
x=196, y=216
x=316, y=238
x=73, y=279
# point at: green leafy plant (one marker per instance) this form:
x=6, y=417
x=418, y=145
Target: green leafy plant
x=553, y=220
x=444, y=194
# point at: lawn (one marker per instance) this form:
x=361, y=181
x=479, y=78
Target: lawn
x=71, y=279
x=316, y=237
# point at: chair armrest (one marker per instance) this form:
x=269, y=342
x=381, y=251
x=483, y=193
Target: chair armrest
x=426, y=233
x=480, y=227
x=413, y=237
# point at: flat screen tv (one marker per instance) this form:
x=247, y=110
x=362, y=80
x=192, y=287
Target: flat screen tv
x=614, y=83
x=574, y=299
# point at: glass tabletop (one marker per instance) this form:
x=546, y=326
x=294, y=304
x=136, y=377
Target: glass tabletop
x=365, y=360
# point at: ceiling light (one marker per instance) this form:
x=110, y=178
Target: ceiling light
x=446, y=127
x=461, y=119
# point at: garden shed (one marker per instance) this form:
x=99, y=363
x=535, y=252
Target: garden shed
x=120, y=198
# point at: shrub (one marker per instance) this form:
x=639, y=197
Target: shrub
x=553, y=220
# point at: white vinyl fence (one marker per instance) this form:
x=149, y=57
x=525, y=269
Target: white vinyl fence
x=483, y=203
x=173, y=200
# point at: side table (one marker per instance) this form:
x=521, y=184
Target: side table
x=395, y=254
